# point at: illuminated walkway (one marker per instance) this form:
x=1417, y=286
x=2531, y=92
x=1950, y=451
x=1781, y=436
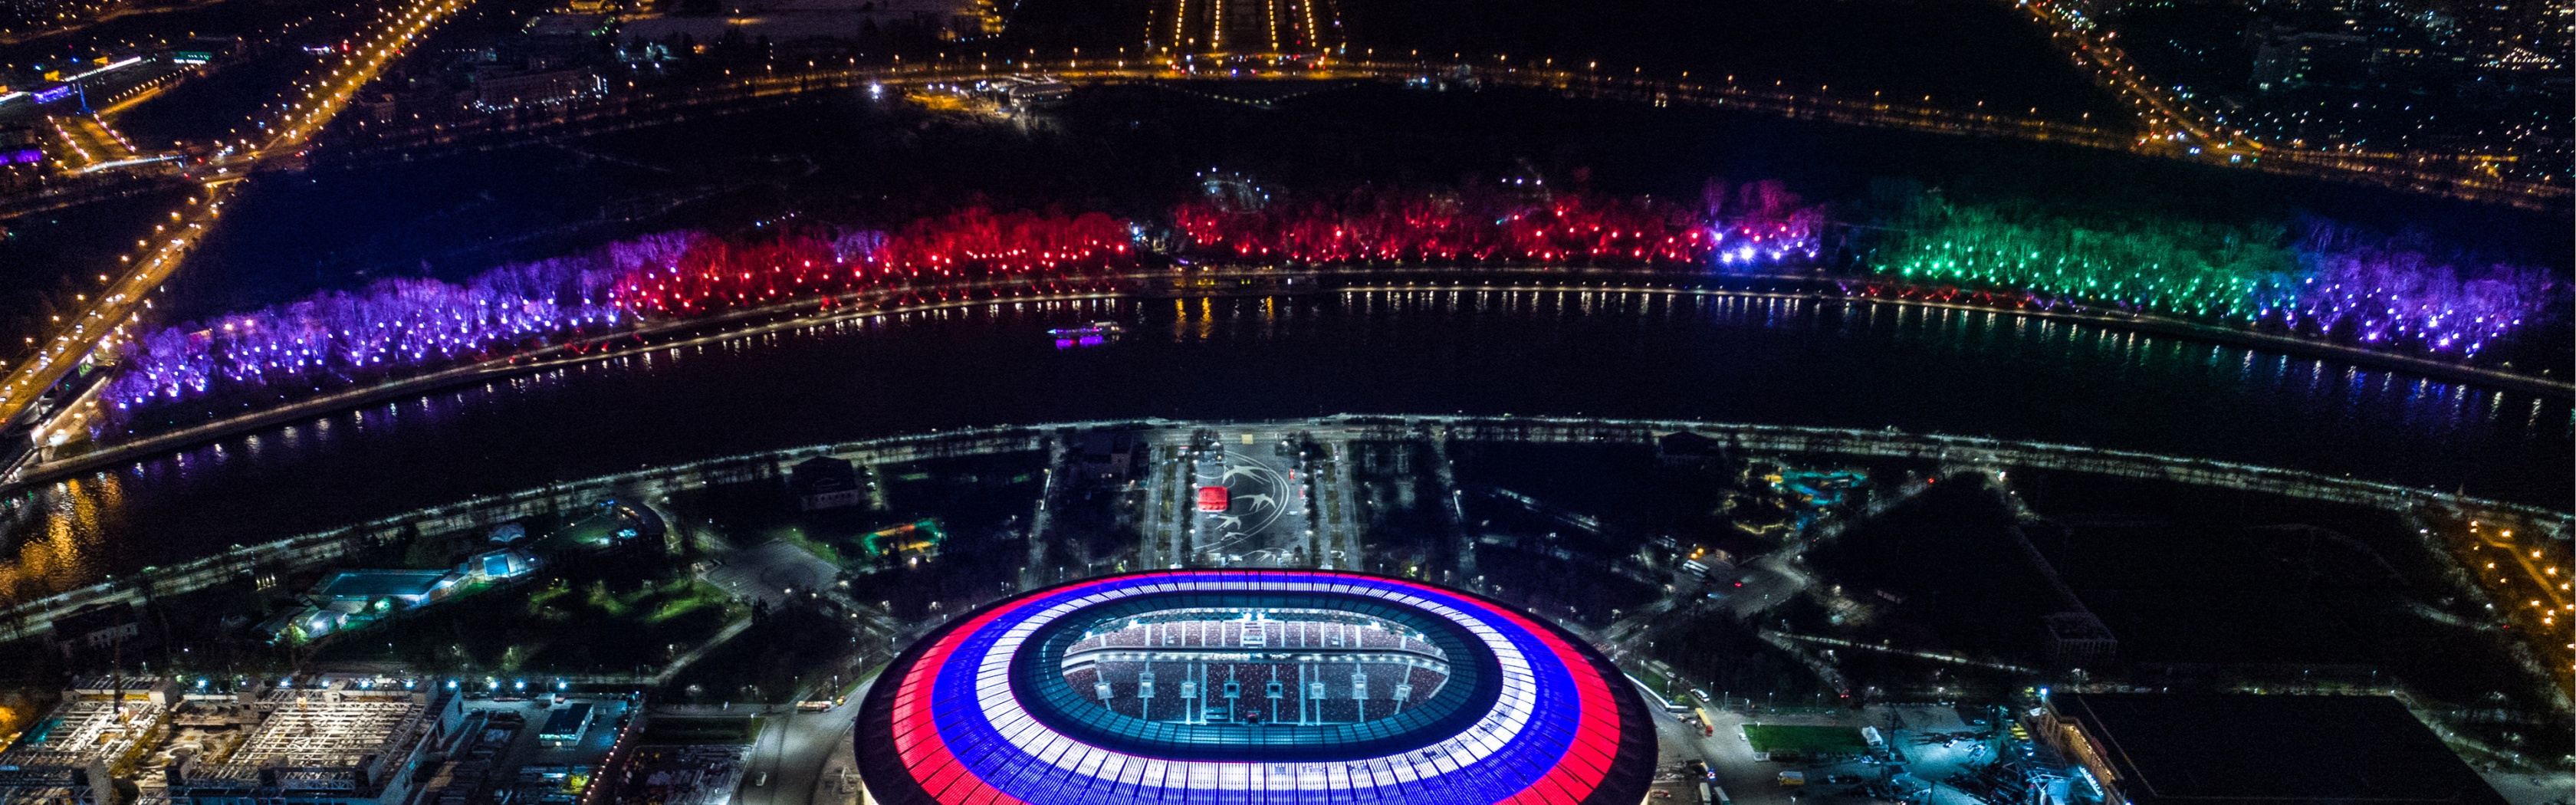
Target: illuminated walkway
x=1262, y=279
x=1951, y=453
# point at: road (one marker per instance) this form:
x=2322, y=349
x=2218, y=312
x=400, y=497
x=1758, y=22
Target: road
x=122, y=301
x=2526, y=578
x=794, y=759
x=2173, y=129
x=801, y=755
x=2171, y=126
x=619, y=110
x=1278, y=30
x=16, y=37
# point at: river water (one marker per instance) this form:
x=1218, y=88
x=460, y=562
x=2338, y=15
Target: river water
x=1619, y=354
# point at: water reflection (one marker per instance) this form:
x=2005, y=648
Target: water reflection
x=1718, y=357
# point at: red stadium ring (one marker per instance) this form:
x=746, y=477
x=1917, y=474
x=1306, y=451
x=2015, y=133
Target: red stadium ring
x=981, y=711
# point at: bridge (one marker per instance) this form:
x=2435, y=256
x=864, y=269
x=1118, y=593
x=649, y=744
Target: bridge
x=636, y=107
x=620, y=110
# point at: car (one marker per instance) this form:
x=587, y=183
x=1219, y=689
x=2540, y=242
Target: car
x=1841, y=779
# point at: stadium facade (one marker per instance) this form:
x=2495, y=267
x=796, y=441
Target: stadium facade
x=1267, y=686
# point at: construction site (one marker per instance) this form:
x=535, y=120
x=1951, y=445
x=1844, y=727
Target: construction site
x=342, y=739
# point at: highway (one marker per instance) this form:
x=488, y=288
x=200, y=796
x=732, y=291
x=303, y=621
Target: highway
x=69, y=26
x=619, y=109
x=2171, y=126
x=2165, y=120
x=122, y=301
x=1274, y=30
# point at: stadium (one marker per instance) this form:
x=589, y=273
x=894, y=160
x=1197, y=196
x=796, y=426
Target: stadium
x=1252, y=687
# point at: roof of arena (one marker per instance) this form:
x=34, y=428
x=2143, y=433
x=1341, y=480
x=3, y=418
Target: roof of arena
x=981, y=711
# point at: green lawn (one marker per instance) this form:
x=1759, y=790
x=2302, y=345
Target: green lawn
x=1799, y=739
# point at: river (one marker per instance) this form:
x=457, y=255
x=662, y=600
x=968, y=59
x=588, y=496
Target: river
x=1622, y=354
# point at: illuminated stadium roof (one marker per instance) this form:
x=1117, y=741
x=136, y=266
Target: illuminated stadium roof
x=1252, y=687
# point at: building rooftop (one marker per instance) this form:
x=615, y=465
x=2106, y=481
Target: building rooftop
x=77, y=734
x=2278, y=750
x=567, y=722
x=823, y=474
x=336, y=738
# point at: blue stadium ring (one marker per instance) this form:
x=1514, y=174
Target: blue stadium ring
x=975, y=713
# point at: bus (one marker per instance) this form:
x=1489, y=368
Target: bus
x=1713, y=794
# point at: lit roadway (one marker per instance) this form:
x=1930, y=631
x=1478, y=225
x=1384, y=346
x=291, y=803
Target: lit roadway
x=2543, y=593
x=626, y=109
x=125, y=297
x=2163, y=115
x=2172, y=126
x=796, y=751
x=67, y=26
